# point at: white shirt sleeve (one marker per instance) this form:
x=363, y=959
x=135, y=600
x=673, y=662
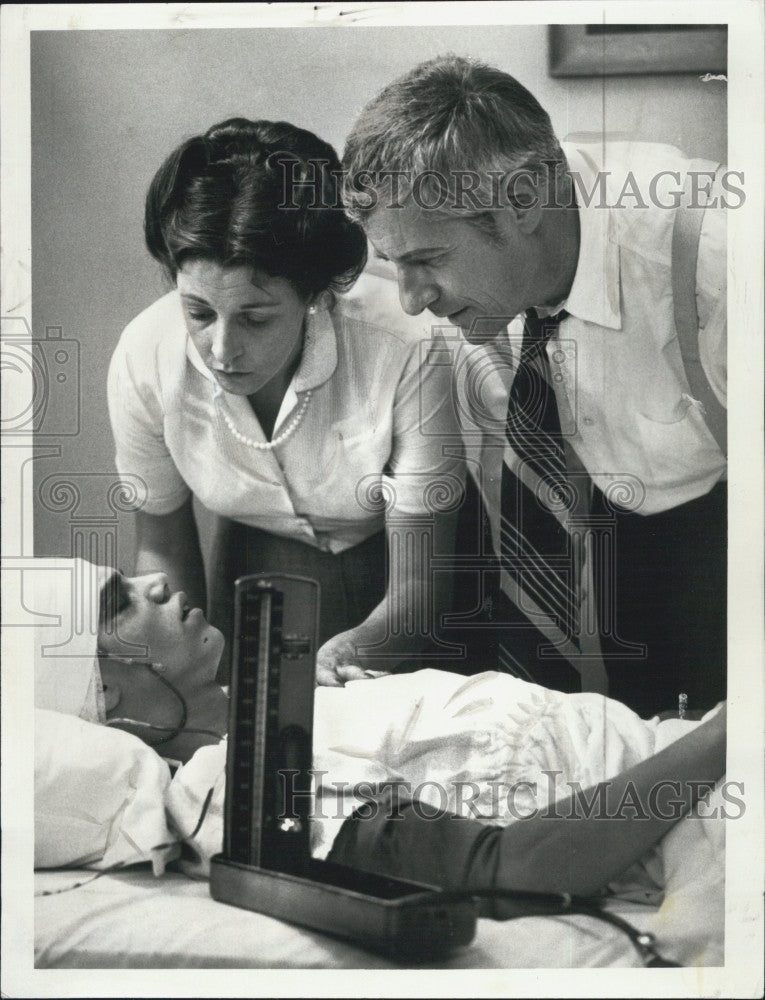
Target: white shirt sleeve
x=711, y=299
x=137, y=419
x=426, y=468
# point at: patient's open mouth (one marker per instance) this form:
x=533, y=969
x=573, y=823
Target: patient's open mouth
x=185, y=610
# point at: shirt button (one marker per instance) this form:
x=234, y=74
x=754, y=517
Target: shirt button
x=588, y=421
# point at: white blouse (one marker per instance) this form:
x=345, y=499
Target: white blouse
x=379, y=429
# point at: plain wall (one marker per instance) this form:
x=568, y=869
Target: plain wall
x=107, y=107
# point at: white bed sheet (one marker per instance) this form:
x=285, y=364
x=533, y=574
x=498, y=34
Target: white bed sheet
x=131, y=919
x=434, y=726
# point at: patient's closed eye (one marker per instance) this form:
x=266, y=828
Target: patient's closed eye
x=115, y=598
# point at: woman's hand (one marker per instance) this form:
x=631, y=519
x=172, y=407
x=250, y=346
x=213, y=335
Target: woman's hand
x=338, y=662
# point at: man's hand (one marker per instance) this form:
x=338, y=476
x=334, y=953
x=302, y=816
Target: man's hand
x=338, y=662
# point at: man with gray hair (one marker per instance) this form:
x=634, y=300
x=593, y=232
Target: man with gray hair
x=591, y=275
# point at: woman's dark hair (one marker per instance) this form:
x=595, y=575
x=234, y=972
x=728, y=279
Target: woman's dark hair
x=258, y=193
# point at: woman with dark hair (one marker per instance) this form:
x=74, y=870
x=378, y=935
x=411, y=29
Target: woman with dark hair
x=310, y=418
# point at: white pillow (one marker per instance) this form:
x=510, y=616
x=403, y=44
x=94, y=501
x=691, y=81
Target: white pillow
x=99, y=796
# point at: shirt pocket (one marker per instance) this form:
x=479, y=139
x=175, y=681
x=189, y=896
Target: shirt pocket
x=677, y=447
x=667, y=408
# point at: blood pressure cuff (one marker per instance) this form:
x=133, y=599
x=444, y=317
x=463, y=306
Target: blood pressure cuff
x=407, y=839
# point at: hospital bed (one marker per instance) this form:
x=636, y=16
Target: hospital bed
x=131, y=919
x=436, y=730
x=490, y=724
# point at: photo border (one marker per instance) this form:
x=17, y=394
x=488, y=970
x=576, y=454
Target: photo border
x=744, y=863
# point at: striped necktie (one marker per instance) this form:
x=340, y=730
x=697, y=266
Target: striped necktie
x=535, y=548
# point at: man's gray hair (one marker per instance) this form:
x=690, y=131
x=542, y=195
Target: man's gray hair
x=445, y=117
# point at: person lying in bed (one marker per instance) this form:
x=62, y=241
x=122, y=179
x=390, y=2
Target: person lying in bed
x=156, y=664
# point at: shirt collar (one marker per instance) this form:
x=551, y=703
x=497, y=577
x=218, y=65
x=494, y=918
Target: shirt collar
x=317, y=362
x=594, y=295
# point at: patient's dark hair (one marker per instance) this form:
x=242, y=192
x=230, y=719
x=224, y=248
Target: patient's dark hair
x=257, y=193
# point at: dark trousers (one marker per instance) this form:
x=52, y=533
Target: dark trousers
x=666, y=581
x=670, y=599
x=352, y=582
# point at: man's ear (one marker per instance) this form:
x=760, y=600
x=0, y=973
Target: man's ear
x=525, y=193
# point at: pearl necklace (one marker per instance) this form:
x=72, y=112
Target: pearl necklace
x=290, y=429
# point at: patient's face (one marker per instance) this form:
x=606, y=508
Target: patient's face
x=141, y=617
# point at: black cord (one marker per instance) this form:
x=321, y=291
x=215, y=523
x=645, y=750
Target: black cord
x=79, y=885
x=178, y=728
x=148, y=725
x=554, y=904
x=122, y=864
